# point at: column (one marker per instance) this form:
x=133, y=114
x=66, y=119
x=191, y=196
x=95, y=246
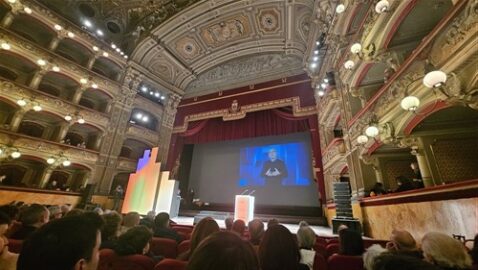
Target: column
x=7, y=20
x=99, y=140
x=46, y=177
x=91, y=62
x=54, y=43
x=378, y=174
x=109, y=105
x=16, y=120
x=63, y=131
x=167, y=124
x=424, y=168
x=35, y=82
x=78, y=94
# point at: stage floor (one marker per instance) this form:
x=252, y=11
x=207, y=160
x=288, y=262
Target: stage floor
x=319, y=230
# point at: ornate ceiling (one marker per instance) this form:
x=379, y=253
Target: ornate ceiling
x=203, y=46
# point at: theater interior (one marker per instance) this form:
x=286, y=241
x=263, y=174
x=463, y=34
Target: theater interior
x=372, y=105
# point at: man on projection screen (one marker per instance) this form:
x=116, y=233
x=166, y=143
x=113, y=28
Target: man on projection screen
x=274, y=169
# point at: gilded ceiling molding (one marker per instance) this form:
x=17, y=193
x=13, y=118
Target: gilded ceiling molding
x=237, y=111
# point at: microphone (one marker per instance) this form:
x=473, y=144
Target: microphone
x=244, y=192
x=252, y=192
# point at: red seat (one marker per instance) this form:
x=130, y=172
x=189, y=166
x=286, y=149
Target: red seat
x=320, y=263
x=171, y=264
x=321, y=249
x=110, y=261
x=332, y=249
x=14, y=245
x=184, y=246
x=184, y=236
x=342, y=262
x=164, y=247
x=182, y=229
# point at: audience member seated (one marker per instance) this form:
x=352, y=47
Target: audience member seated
x=377, y=190
x=371, y=254
x=8, y=260
x=224, y=250
x=350, y=243
x=256, y=231
x=32, y=218
x=229, y=221
x=239, y=227
x=161, y=228
x=67, y=243
x=404, y=184
x=271, y=222
x=55, y=212
x=403, y=243
x=306, y=239
x=148, y=220
x=110, y=231
x=65, y=209
x=130, y=220
x=279, y=250
x=400, y=262
x=75, y=212
x=135, y=241
x=206, y=227
x=445, y=252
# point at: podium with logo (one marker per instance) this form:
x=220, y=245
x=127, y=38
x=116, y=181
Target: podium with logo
x=244, y=208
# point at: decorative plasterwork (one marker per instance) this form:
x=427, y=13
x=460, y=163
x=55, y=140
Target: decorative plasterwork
x=226, y=31
x=143, y=134
x=236, y=111
x=269, y=20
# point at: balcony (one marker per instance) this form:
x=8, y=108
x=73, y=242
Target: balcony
x=143, y=134
x=334, y=152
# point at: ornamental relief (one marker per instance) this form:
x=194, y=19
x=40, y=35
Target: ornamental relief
x=228, y=30
x=143, y=134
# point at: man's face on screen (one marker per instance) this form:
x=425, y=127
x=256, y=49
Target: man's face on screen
x=272, y=155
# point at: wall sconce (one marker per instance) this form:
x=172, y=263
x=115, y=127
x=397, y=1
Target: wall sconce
x=58, y=160
x=410, y=103
x=362, y=139
x=372, y=131
x=382, y=6
x=349, y=65
x=340, y=8
x=78, y=118
x=9, y=152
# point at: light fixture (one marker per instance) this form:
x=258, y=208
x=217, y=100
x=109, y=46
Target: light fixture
x=382, y=6
x=113, y=46
x=21, y=102
x=144, y=88
x=156, y=94
x=87, y=23
x=94, y=86
x=125, y=57
x=321, y=93
x=326, y=80
x=317, y=43
x=323, y=85
x=41, y=62
x=145, y=118
x=316, y=58
x=313, y=65
x=81, y=120
x=434, y=79
x=66, y=163
x=122, y=53
x=139, y=115
x=68, y=117
x=95, y=48
x=349, y=64
x=340, y=8
x=410, y=103
x=356, y=48
x=37, y=108
x=71, y=35
x=372, y=131
x=12, y=1
x=27, y=10
x=56, y=68
x=99, y=32
x=6, y=46
x=16, y=154
x=83, y=81
x=58, y=27
x=118, y=49
x=316, y=52
x=163, y=97
x=50, y=160
x=362, y=139
x=105, y=54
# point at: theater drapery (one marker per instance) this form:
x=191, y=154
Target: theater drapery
x=257, y=124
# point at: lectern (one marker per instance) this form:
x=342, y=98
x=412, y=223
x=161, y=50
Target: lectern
x=244, y=208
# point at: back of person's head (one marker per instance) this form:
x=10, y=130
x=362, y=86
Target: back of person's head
x=371, y=254
x=445, y=251
x=65, y=208
x=239, y=226
x=34, y=214
x=402, y=241
x=11, y=211
x=256, y=230
x=75, y=212
x=134, y=241
x=474, y=250
x=303, y=223
x=4, y=224
x=306, y=237
x=161, y=220
x=229, y=221
x=150, y=215
x=203, y=229
x=279, y=250
x=223, y=250
x=112, y=225
x=55, y=212
x=131, y=219
x=400, y=262
x=63, y=244
x=351, y=243
x=271, y=222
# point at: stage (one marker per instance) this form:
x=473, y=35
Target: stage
x=319, y=230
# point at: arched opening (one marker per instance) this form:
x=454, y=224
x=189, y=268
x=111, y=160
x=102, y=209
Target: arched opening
x=41, y=125
x=27, y=171
x=7, y=110
x=96, y=100
x=121, y=179
x=71, y=178
x=126, y=152
x=58, y=180
x=4, y=9
x=136, y=148
x=84, y=136
x=31, y=128
x=16, y=68
x=107, y=68
x=74, y=51
x=32, y=29
x=143, y=118
x=59, y=85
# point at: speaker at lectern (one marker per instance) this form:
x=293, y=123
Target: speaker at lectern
x=244, y=208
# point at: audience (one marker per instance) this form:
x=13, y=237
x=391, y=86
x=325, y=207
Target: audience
x=32, y=218
x=256, y=231
x=135, y=241
x=229, y=221
x=371, y=254
x=75, y=212
x=161, y=228
x=474, y=251
x=445, y=252
x=65, y=209
x=203, y=229
x=400, y=262
x=350, y=242
x=67, y=243
x=55, y=212
x=377, y=190
x=279, y=250
x=272, y=222
x=111, y=229
x=239, y=227
x=130, y=220
x=221, y=251
x=403, y=243
x=148, y=220
x=404, y=184
x=306, y=239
